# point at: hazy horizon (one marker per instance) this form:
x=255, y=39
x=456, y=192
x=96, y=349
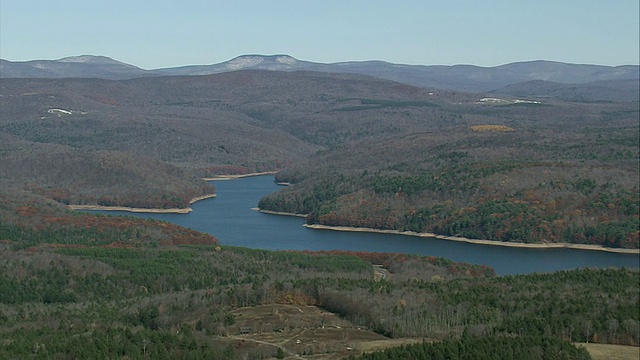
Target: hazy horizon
x=414, y=32
x=306, y=60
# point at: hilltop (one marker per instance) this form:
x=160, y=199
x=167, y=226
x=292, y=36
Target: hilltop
x=360, y=150
x=467, y=78
x=356, y=150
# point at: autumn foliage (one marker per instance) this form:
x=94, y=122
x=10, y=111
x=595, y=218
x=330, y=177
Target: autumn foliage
x=492, y=128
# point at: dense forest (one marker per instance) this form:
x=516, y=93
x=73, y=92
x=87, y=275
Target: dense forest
x=75, y=285
x=478, y=348
x=570, y=181
x=356, y=151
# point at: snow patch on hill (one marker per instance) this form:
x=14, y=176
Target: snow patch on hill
x=61, y=112
x=79, y=59
x=278, y=62
x=286, y=60
x=506, y=101
x=244, y=62
x=91, y=59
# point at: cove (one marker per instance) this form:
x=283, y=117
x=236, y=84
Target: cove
x=230, y=218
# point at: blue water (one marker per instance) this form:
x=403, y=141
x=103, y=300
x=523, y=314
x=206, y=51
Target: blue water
x=230, y=218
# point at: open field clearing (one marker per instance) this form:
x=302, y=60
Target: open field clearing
x=612, y=352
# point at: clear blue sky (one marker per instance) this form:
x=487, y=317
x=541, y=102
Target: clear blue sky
x=164, y=33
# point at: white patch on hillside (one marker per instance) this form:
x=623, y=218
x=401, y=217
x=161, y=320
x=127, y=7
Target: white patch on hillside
x=270, y=63
x=286, y=60
x=79, y=59
x=61, y=112
x=505, y=101
x=244, y=62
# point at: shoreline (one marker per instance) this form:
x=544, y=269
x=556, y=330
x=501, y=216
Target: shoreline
x=458, y=238
x=172, y=210
x=142, y=210
x=239, y=176
x=478, y=241
x=281, y=213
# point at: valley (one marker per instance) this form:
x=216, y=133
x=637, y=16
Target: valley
x=538, y=164
x=76, y=285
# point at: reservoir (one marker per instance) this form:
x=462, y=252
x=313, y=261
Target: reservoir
x=230, y=218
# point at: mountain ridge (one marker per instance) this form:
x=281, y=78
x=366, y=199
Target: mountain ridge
x=463, y=77
x=358, y=150
x=595, y=91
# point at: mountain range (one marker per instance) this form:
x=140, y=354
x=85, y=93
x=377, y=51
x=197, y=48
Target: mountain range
x=532, y=78
x=357, y=150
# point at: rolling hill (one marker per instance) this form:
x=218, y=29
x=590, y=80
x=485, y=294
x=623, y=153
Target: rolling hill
x=84, y=66
x=78, y=285
x=596, y=91
x=457, y=77
x=360, y=150
x=357, y=150
x=62, y=133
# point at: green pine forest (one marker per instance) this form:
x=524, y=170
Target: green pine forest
x=75, y=285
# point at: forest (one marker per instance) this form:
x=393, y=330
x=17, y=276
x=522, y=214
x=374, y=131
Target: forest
x=570, y=183
x=355, y=151
x=470, y=347
x=76, y=285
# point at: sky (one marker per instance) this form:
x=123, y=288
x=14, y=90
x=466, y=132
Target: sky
x=167, y=33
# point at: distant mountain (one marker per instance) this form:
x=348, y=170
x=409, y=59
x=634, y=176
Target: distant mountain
x=606, y=90
x=245, y=62
x=457, y=77
x=358, y=151
x=84, y=66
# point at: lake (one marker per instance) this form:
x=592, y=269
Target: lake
x=230, y=218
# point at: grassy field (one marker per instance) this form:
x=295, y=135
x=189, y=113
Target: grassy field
x=612, y=352
x=305, y=330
